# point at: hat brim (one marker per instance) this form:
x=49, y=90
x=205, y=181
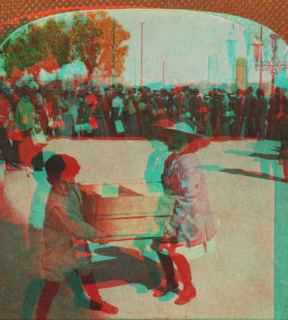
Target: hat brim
x=166, y=130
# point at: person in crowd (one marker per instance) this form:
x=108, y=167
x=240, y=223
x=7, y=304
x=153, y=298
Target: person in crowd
x=204, y=112
x=117, y=121
x=200, y=106
x=276, y=104
x=248, y=124
x=10, y=154
x=157, y=107
x=133, y=120
x=38, y=102
x=145, y=114
x=262, y=114
x=192, y=222
x=179, y=102
x=14, y=98
x=68, y=126
x=84, y=112
x=25, y=119
x=106, y=105
x=219, y=108
x=194, y=104
x=225, y=118
x=97, y=119
x=9, y=133
x=25, y=112
x=52, y=109
x=63, y=220
x=282, y=118
x=172, y=112
x=186, y=101
x=236, y=102
x=73, y=108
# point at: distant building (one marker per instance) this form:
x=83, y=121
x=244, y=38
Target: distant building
x=241, y=69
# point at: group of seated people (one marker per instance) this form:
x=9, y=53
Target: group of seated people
x=28, y=109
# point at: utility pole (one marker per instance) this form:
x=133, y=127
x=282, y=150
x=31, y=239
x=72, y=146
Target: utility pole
x=163, y=73
x=113, y=71
x=261, y=57
x=142, y=23
x=135, y=73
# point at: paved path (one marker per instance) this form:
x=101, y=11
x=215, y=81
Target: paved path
x=234, y=281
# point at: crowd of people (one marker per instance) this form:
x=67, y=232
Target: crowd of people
x=39, y=112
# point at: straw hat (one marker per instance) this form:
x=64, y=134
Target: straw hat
x=180, y=127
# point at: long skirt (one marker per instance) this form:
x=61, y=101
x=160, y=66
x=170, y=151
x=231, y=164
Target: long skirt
x=102, y=130
x=133, y=129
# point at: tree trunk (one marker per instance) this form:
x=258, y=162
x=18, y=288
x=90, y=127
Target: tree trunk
x=89, y=77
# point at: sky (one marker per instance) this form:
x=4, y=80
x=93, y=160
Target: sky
x=183, y=41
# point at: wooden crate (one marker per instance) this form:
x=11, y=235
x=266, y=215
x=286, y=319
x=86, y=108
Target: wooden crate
x=127, y=213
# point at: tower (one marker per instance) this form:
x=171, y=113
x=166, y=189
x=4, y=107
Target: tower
x=240, y=78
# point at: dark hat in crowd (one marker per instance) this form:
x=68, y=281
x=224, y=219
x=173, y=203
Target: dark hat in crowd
x=131, y=90
x=37, y=162
x=146, y=89
x=123, y=95
x=164, y=92
x=119, y=87
x=178, y=89
x=241, y=91
x=260, y=91
x=250, y=89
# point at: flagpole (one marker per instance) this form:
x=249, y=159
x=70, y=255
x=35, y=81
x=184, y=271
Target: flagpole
x=142, y=53
x=163, y=73
x=135, y=73
x=113, y=71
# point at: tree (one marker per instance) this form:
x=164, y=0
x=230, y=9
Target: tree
x=84, y=42
x=105, y=63
x=54, y=37
x=34, y=45
x=20, y=50
x=88, y=38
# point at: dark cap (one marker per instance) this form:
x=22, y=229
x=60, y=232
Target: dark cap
x=55, y=165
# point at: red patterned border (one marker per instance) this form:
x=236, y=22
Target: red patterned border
x=271, y=13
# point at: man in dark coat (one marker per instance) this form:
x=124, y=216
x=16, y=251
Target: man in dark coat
x=107, y=104
x=275, y=103
x=262, y=113
x=250, y=104
x=282, y=118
